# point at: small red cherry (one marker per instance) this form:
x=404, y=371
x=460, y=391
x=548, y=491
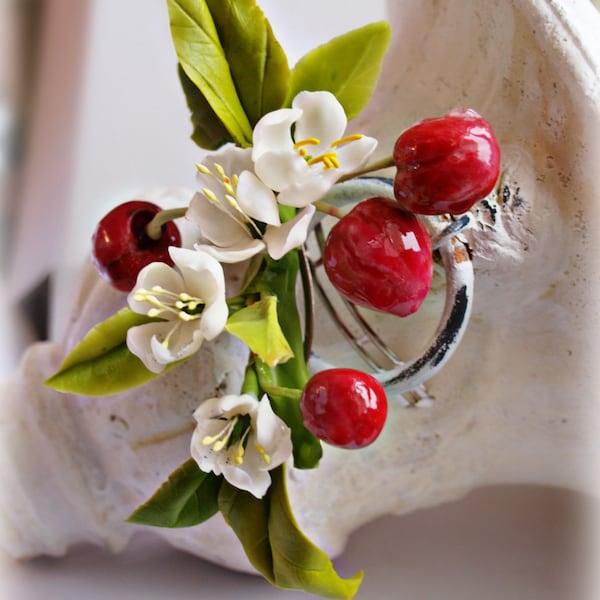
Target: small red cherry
x=344, y=407
x=379, y=256
x=446, y=164
x=121, y=248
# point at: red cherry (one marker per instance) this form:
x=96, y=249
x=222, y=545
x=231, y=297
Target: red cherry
x=379, y=256
x=446, y=164
x=344, y=407
x=121, y=248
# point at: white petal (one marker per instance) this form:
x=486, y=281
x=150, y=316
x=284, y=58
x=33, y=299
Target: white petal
x=310, y=189
x=273, y=133
x=291, y=234
x=280, y=169
x=272, y=434
x=202, y=274
x=256, y=199
x=139, y=342
x=183, y=342
x=238, y=404
x=206, y=458
x=354, y=155
x=232, y=158
x=204, y=278
x=322, y=117
x=208, y=409
x=236, y=253
x=217, y=225
x=157, y=273
x=254, y=481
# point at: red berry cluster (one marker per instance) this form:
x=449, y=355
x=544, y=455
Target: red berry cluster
x=379, y=255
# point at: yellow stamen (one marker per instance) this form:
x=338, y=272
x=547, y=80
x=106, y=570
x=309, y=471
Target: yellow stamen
x=307, y=142
x=263, y=454
x=203, y=169
x=329, y=160
x=349, y=138
x=238, y=457
x=221, y=438
x=211, y=196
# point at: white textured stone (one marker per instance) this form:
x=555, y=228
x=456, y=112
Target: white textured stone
x=516, y=403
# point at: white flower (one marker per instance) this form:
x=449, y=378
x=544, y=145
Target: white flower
x=238, y=213
x=190, y=299
x=303, y=166
x=242, y=439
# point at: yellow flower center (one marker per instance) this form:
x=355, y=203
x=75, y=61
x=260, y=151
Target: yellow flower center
x=329, y=159
x=183, y=306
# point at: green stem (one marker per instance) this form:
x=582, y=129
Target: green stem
x=154, y=228
x=250, y=384
x=382, y=163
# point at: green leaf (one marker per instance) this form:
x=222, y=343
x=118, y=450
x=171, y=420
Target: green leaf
x=101, y=363
x=257, y=62
x=209, y=132
x=249, y=518
x=115, y=371
x=103, y=337
x=348, y=66
x=187, y=498
x=203, y=59
x=276, y=547
x=279, y=279
x=258, y=327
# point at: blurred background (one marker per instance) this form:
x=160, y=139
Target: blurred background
x=91, y=114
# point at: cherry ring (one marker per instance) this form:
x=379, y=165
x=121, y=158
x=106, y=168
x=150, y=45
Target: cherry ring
x=455, y=258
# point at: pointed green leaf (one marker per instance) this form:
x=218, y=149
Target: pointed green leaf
x=276, y=547
x=101, y=363
x=208, y=132
x=348, y=66
x=103, y=337
x=114, y=371
x=258, y=327
x=249, y=518
x=203, y=59
x=258, y=64
x=279, y=279
x=187, y=498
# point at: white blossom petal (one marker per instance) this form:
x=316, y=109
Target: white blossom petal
x=216, y=224
x=355, y=154
x=308, y=190
x=157, y=273
x=323, y=117
x=236, y=253
x=256, y=199
x=204, y=279
x=279, y=169
x=139, y=342
x=272, y=133
x=272, y=434
x=280, y=240
x=244, y=462
x=190, y=303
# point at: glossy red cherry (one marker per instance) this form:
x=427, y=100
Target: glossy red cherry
x=121, y=248
x=446, y=164
x=344, y=407
x=379, y=256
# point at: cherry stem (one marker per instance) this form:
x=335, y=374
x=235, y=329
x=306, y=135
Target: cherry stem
x=330, y=209
x=154, y=228
x=382, y=163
